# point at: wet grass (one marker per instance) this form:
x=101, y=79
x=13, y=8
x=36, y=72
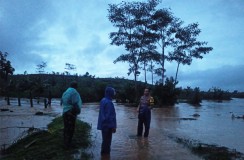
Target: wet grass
x=210, y=152
x=49, y=144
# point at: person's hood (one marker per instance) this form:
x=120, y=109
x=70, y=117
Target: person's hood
x=109, y=92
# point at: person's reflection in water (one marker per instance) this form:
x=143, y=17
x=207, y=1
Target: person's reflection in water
x=143, y=148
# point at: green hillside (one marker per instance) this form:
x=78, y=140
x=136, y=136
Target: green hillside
x=90, y=88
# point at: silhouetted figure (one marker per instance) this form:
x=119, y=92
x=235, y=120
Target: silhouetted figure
x=144, y=113
x=71, y=103
x=49, y=102
x=107, y=120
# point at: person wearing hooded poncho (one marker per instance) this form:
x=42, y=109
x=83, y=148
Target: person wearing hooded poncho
x=71, y=103
x=107, y=120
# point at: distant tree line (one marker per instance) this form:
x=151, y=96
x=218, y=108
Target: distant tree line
x=195, y=96
x=91, y=89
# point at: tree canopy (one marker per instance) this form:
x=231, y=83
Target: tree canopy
x=6, y=68
x=151, y=35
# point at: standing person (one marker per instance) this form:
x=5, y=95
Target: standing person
x=107, y=120
x=144, y=113
x=71, y=103
x=49, y=102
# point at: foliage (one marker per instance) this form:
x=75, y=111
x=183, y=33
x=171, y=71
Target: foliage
x=195, y=96
x=208, y=151
x=41, y=67
x=164, y=26
x=146, y=32
x=192, y=96
x=132, y=20
x=91, y=89
x=166, y=94
x=236, y=94
x=218, y=94
x=186, y=46
x=49, y=144
x=6, y=68
x=69, y=67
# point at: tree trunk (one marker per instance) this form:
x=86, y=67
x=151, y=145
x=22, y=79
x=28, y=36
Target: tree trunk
x=145, y=72
x=19, y=102
x=163, y=60
x=136, y=92
x=31, y=100
x=152, y=72
x=176, y=74
x=8, y=100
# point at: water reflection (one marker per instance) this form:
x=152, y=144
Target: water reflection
x=125, y=143
x=213, y=126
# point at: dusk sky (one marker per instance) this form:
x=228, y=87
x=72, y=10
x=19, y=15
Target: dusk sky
x=77, y=32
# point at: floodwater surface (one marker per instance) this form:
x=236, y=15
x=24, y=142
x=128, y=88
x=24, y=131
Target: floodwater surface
x=214, y=125
x=125, y=143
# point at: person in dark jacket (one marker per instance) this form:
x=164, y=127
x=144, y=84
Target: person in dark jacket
x=144, y=113
x=107, y=120
x=71, y=103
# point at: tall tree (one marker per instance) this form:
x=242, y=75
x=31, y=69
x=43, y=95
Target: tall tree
x=6, y=68
x=131, y=19
x=41, y=67
x=187, y=47
x=152, y=70
x=164, y=26
x=148, y=56
x=69, y=67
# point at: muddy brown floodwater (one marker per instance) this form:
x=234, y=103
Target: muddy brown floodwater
x=214, y=125
x=126, y=145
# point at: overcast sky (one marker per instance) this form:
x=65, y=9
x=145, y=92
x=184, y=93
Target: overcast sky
x=76, y=32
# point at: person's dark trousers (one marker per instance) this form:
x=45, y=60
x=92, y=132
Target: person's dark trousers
x=144, y=119
x=107, y=139
x=140, y=125
x=147, y=123
x=69, y=128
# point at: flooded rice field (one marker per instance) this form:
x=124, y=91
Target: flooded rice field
x=214, y=124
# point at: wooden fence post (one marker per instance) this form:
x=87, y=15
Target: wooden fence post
x=31, y=100
x=45, y=102
x=19, y=103
x=8, y=100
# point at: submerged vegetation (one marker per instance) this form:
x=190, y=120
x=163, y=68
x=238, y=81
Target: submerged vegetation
x=49, y=144
x=208, y=151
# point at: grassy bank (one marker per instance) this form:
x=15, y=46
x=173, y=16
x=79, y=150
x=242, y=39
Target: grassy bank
x=49, y=144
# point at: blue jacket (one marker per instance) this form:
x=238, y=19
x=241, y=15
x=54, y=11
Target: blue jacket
x=107, y=115
x=70, y=98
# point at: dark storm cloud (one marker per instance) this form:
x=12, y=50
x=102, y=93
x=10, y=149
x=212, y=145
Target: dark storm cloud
x=17, y=19
x=76, y=31
x=226, y=77
x=94, y=46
